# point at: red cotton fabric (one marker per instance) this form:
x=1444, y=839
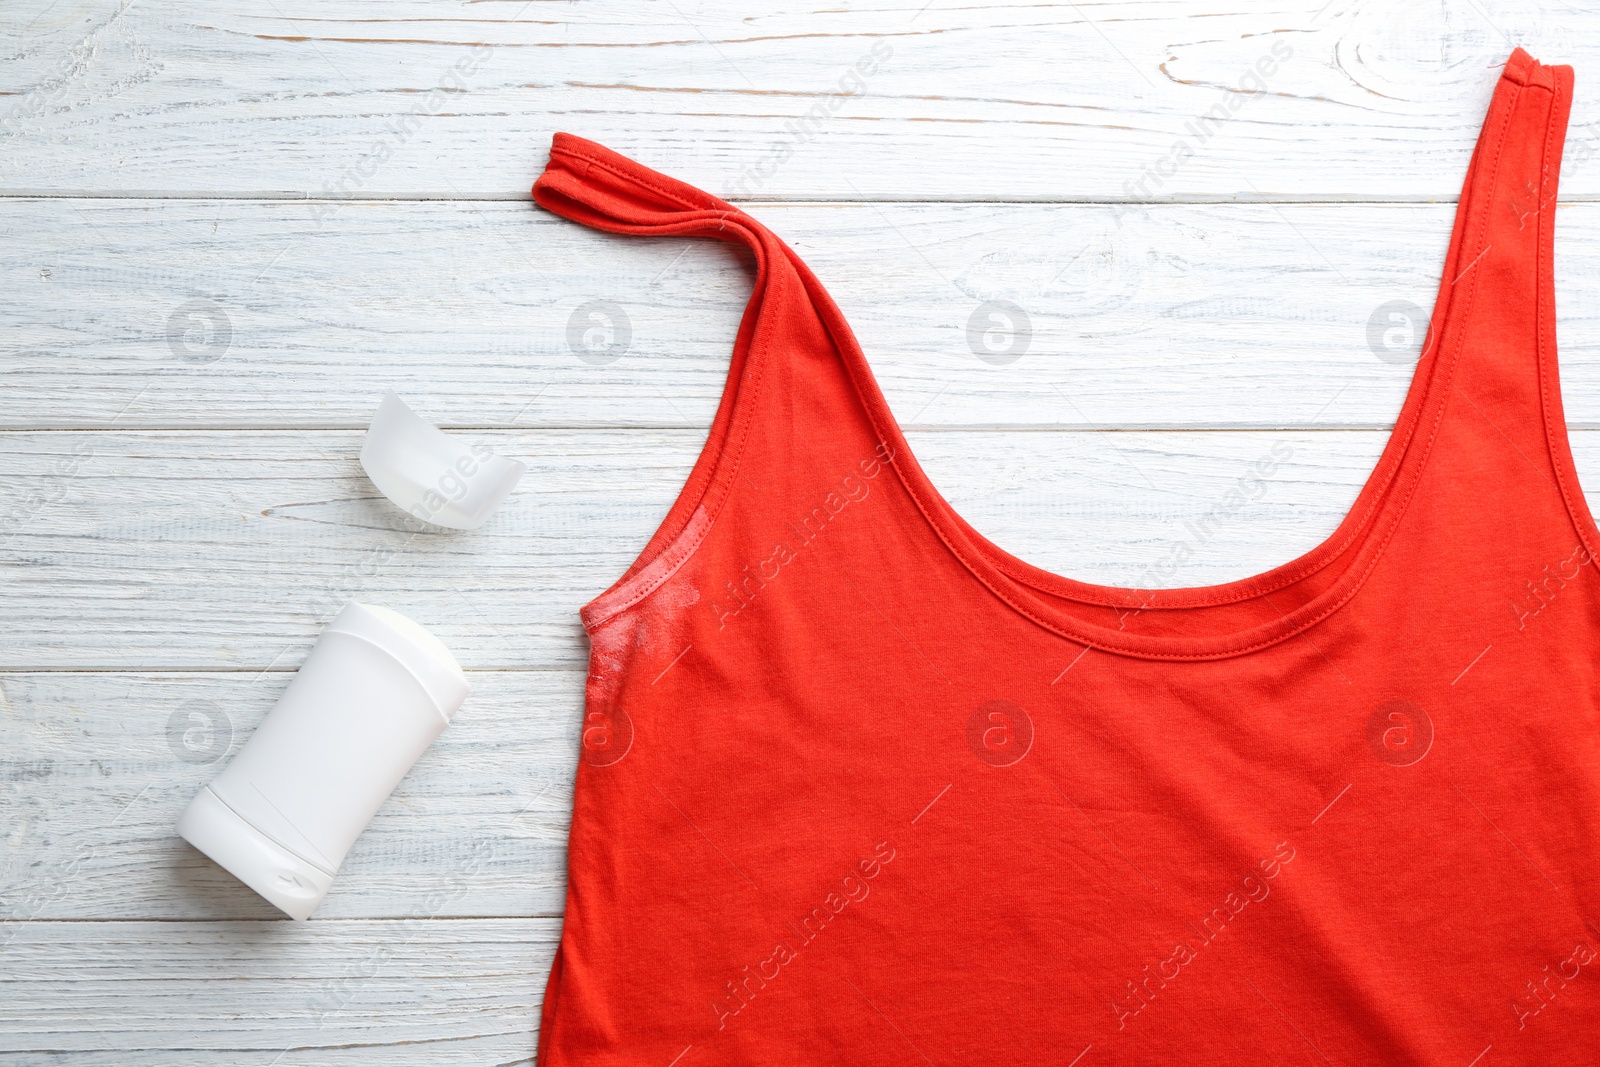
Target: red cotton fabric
x=860, y=787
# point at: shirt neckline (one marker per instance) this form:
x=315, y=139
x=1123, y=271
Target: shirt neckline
x=1361, y=536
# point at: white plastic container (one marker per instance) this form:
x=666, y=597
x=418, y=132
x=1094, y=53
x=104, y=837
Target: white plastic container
x=435, y=476
x=373, y=693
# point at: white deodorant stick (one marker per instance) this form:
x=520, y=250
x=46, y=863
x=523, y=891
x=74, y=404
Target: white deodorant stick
x=373, y=693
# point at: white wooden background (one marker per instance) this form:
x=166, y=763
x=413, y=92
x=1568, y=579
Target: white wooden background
x=180, y=513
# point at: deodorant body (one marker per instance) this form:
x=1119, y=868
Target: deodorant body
x=373, y=693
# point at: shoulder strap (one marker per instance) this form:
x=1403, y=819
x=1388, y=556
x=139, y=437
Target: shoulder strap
x=1500, y=260
x=1494, y=323
x=798, y=395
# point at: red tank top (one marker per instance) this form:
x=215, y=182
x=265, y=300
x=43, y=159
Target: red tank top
x=860, y=787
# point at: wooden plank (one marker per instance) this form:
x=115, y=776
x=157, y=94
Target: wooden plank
x=293, y=994
x=230, y=551
x=96, y=768
x=193, y=314
x=430, y=100
x=216, y=550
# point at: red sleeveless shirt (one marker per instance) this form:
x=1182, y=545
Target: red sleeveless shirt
x=860, y=787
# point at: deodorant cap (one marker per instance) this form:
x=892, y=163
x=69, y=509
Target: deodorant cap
x=432, y=475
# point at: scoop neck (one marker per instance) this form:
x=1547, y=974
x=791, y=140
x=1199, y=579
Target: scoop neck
x=1359, y=538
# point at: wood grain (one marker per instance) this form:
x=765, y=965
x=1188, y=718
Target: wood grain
x=98, y=766
x=404, y=992
x=1046, y=101
x=245, y=314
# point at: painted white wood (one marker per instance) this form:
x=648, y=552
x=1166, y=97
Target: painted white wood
x=205, y=313
x=1043, y=101
x=97, y=767
x=404, y=992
